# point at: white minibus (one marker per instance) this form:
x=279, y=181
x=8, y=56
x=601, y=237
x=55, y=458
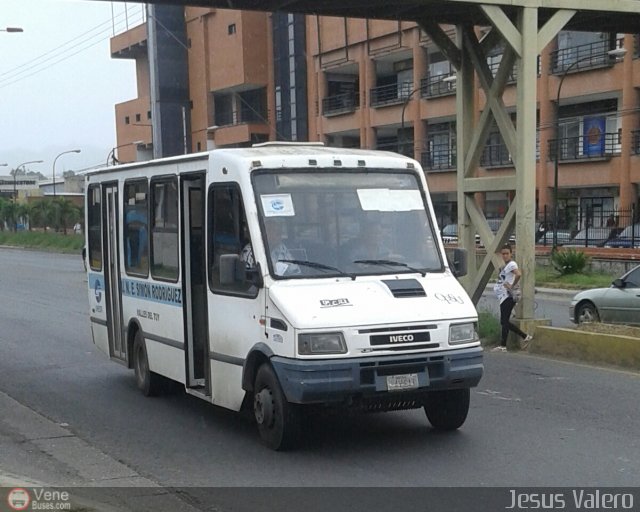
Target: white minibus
x=281, y=278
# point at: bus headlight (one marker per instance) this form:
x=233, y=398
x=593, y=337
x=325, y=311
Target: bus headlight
x=462, y=333
x=321, y=343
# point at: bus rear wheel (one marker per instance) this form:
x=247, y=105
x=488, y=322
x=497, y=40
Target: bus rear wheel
x=448, y=409
x=148, y=382
x=278, y=420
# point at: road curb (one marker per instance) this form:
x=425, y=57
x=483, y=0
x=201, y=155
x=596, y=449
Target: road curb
x=598, y=348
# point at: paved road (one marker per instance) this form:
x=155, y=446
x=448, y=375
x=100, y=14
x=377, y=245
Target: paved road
x=533, y=421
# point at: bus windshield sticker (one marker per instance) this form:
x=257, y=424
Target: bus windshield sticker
x=386, y=200
x=277, y=205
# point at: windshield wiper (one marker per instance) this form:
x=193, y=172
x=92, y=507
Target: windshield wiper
x=391, y=263
x=321, y=266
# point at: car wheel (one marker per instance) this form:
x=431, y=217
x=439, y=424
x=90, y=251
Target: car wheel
x=586, y=313
x=278, y=420
x=447, y=410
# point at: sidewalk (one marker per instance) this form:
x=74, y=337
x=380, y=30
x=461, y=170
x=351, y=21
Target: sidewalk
x=39, y=453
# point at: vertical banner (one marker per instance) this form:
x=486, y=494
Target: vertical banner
x=594, y=135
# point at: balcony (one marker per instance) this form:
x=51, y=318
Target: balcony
x=440, y=158
x=345, y=103
x=635, y=142
x=585, y=56
x=437, y=85
x=496, y=155
x=244, y=116
x=391, y=94
x=405, y=148
x=584, y=147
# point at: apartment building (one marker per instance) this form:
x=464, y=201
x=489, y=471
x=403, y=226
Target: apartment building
x=245, y=73
x=386, y=85
x=255, y=76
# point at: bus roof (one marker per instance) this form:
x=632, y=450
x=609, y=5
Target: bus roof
x=270, y=155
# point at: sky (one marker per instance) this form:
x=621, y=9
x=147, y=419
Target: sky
x=58, y=82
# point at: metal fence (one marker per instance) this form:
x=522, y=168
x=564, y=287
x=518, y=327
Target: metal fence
x=584, y=56
x=389, y=94
x=589, y=226
x=585, y=146
x=437, y=85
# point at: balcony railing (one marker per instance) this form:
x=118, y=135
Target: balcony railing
x=585, y=147
x=635, y=142
x=496, y=155
x=513, y=75
x=344, y=103
x=389, y=94
x=435, y=86
x=585, y=56
x=440, y=157
x=239, y=117
x=405, y=148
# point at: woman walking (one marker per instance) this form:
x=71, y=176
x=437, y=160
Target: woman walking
x=504, y=289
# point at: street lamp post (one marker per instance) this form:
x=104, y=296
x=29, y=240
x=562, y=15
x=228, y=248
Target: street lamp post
x=616, y=52
x=54, y=167
x=112, y=153
x=11, y=29
x=15, y=174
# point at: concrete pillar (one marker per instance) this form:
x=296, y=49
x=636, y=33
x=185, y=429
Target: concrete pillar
x=628, y=104
x=419, y=72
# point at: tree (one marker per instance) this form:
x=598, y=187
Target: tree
x=42, y=213
x=67, y=213
x=10, y=214
x=25, y=211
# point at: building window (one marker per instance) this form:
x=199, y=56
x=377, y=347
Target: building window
x=137, y=118
x=148, y=114
x=231, y=29
x=136, y=245
x=94, y=229
x=164, y=230
x=127, y=120
x=198, y=146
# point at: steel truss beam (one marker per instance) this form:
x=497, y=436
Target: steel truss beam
x=522, y=42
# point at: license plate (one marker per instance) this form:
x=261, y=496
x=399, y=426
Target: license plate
x=402, y=382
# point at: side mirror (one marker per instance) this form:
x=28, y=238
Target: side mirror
x=234, y=270
x=458, y=261
x=619, y=283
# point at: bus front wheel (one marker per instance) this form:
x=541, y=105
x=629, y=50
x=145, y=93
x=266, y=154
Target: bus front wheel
x=278, y=420
x=148, y=382
x=448, y=409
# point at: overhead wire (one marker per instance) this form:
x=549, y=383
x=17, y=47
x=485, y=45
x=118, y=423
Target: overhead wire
x=64, y=51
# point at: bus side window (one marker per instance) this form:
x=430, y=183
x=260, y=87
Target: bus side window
x=228, y=234
x=94, y=229
x=136, y=222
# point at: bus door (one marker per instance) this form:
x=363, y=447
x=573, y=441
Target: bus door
x=117, y=347
x=195, y=284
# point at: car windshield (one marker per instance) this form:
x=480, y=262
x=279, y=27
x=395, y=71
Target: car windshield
x=593, y=234
x=631, y=231
x=321, y=224
x=450, y=230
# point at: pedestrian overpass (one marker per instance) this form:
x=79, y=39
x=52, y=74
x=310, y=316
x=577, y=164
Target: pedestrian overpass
x=524, y=28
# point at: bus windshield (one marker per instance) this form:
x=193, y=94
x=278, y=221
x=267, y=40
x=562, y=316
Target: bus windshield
x=323, y=223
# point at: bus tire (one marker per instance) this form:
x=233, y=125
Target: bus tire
x=278, y=420
x=148, y=382
x=448, y=409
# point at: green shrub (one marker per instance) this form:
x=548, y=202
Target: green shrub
x=488, y=327
x=569, y=261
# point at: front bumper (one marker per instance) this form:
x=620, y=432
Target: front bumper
x=345, y=380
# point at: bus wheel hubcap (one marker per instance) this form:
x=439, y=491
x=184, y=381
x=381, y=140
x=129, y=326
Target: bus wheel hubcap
x=263, y=407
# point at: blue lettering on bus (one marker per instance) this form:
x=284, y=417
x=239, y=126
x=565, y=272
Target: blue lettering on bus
x=154, y=292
